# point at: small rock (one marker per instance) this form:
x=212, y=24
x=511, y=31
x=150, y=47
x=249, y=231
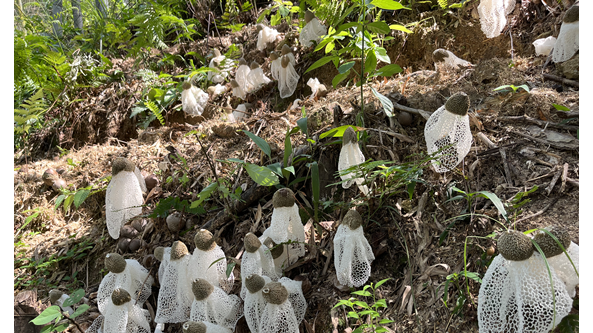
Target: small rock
x=570, y=68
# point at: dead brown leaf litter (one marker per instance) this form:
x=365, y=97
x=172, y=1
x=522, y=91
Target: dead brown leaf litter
x=514, y=163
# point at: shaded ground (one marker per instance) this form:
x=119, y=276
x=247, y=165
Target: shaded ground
x=403, y=232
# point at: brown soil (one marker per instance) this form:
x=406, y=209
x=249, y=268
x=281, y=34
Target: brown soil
x=404, y=233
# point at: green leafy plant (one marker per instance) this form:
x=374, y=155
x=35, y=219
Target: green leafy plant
x=29, y=115
x=509, y=87
x=284, y=11
x=77, y=197
x=374, y=322
x=231, y=13
x=57, y=319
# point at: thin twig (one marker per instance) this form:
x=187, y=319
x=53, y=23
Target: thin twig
x=536, y=214
x=528, y=119
x=423, y=113
x=562, y=80
x=142, y=286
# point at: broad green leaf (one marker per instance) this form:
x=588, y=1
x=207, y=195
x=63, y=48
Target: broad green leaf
x=204, y=194
x=80, y=197
x=560, y=107
x=329, y=47
x=287, y=147
x=496, y=201
x=362, y=304
x=400, y=28
x=47, y=315
x=379, y=27
x=388, y=70
x=74, y=298
x=62, y=327
x=229, y=268
x=59, y=200
x=378, y=284
x=385, y=321
x=261, y=175
x=236, y=160
x=366, y=312
x=302, y=123
x=346, y=67
x=339, y=78
x=80, y=310
x=337, y=132
x=370, y=63
x=347, y=26
x=380, y=330
x=320, y=63
x=276, y=168
x=353, y=314
x=381, y=303
x=362, y=293
x=343, y=302
x=473, y=276
x=68, y=202
x=290, y=169
x=381, y=54
x=388, y=4
x=386, y=102
x=261, y=143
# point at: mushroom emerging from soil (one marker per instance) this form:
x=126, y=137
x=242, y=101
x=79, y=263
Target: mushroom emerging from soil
x=352, y=252
x=193, y=99
x=493, y=15
x=212, y=304
x=209, y=262
x=175, y=295
x=544, y=46
x=127, y=274
x=516, y=294
x=567, y=43
x=317, y=89
x=264, y=36
x=286, y=224
x=444, y=57
x=289, y=78
x=50, y=176
x=237, y=90
x=280, y=313
x=256, y=77
x=203, y=327
x=556, y=257
x=122, y=315
x=257, y=259
x=447, y=130
x=312, y=31
x=220, y=62
x=123, y=199
x=351, y=155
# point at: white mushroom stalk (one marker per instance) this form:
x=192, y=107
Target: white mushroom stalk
x=257, y=259
x=289, y=78
x=279, y=314
x=312, y=31
x=217, y=90
x=175, y=296
x=193, y=99
x=241, y=75
x=203, y=327
x=275, y=65
x=446, y=58
x=256, y=77
x=209, y=262
x=352, y=252
x=493, y=15
x=123, y=316
x=351, y=155
x=212, y=304
x=265, y=35
x=544, y=46
x=127, y=274
x=123, y=199
x=237, y=90
x=254, y=300
x=286, y=223
x=316, y=88
x=220, y=62
x=567, y=43
x=516, y=294
x=237, y=115
x=448, y=129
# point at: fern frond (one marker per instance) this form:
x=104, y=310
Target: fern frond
x=443, y=4
x=29, y=113
x=155, y=110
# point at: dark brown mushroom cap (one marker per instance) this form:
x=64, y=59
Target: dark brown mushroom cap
x=275, y=293
x=273, y=55
x=458, y=104
x=252, y=243
x=286, y=49
x=439, y=55
x=309, y=16
x=178, y=250
x=128, y=231
x=234, y=84
x=254, y=283
x=405, y=118
x=115, y=263
x=120, y=296
x=571, y=15
x=194, y=327
x=259, y=27
x=515, y=246
x=49, y=176
x=285, y=61
x=216, y=52
x=275, y=250
x=186, y=85
x=204, y=240
x=352, y=219
x=135, y=244
x=242, y=61
x=349, y=136
x=254, y=65
x=121, y=164
x=548, y=245
x=284, y=197
x=159, y=252
x=54, y=295
x=201, y=289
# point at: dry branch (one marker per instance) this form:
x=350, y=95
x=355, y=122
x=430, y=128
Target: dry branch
x=558, y=145
x=538, y=122
x=561, y=80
